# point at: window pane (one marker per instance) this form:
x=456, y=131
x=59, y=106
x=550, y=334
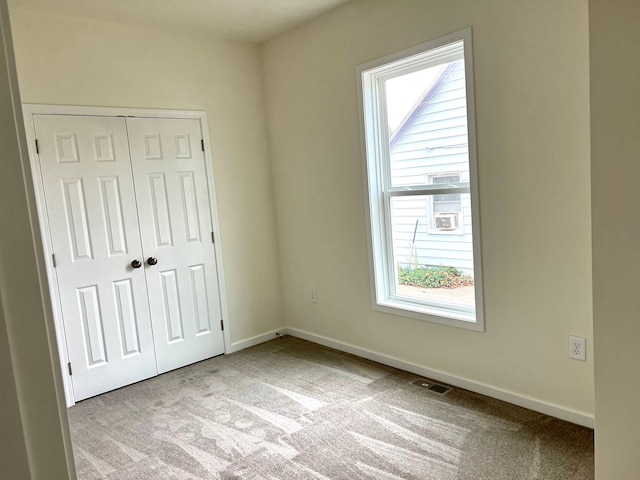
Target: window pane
x=433, y=252
x=427, y=115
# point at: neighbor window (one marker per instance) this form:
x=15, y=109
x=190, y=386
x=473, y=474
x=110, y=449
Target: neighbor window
x=446, y=208
x=421, y=171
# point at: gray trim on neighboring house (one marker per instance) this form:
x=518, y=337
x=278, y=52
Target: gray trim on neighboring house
x=422, y=102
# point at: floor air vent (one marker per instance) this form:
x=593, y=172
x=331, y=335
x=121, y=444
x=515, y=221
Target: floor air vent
x=433, y=386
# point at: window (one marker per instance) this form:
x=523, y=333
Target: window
x=421, y=172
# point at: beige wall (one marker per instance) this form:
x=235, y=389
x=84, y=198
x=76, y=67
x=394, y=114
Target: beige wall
x=615, y=146
x=532, y=100
x=63, y=60
x=13, y=450
x=32, y=416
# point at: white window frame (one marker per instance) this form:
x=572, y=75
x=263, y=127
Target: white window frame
x=376, y=161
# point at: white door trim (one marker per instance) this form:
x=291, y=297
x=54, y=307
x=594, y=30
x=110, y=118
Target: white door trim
x=29, y=111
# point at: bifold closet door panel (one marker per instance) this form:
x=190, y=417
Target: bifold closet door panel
x=94, y=228
x=175, y=223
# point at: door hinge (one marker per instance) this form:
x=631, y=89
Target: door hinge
x=213, y=237
x=69, y=367
x=222, y=325
x=37, y=147
x=53, y=259
x=202, y=144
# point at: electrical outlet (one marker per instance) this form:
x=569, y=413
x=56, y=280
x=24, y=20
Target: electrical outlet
x=313, y=295
x=577, y=348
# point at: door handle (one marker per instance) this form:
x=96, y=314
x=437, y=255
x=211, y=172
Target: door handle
x=152, y=261
x=136, y=264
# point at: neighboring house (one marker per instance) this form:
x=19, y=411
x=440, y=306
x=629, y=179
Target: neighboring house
x=433, y=230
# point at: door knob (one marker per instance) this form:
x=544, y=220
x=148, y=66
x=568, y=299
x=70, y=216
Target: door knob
x=152, y=261
x=136, y=264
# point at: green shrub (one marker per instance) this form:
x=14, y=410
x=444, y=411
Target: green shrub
x=434, y=277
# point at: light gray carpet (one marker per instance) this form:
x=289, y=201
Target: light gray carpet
x=290, y=409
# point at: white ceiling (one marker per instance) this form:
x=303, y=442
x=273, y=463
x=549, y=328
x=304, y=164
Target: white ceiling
x=245, y=20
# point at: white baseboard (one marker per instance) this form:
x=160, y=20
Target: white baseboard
x=258, y=339
x=574, y=416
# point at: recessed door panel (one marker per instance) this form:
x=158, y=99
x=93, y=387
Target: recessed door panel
x=127, y=318
x=201, y=308
x=152, y=147
x=113, y=216
x=76, y=216
x=172, y=315
x=92, y=326
x=190, y=206
x=67, y=148
x=183, y=145
x=104, y=148
x=161, y=216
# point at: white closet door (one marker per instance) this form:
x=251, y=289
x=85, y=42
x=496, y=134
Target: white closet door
x=90, y=201
x=175, y=223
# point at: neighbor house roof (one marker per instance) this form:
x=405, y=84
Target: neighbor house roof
x=422, y=102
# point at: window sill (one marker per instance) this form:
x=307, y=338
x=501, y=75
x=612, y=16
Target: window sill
x=457, y=231
x=429, y=313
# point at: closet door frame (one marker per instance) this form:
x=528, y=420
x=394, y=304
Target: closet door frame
x=29, y=111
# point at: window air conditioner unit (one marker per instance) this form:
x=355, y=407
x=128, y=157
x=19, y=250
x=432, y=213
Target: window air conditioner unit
x=446, y=221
